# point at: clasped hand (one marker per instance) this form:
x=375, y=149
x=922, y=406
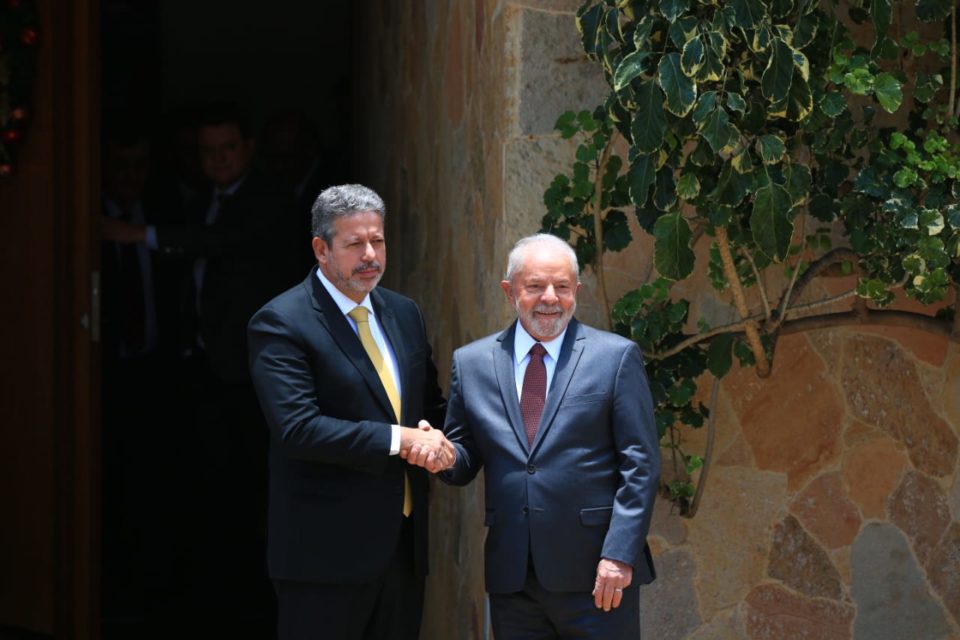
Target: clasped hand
x=427, y=447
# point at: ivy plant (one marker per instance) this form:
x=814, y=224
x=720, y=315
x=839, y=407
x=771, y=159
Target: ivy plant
x=763, y=127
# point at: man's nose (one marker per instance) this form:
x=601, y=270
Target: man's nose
x=369, y=253
x=549, y=294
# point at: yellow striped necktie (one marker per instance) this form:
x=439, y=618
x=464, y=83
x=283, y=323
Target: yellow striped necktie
x=359, y=315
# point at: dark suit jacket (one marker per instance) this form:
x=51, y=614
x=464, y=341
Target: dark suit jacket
x=336, y=495
x=250, y=252
x=586, y=487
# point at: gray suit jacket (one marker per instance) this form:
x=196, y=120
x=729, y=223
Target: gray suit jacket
x=585, y=489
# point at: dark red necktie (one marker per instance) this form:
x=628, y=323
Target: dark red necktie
x=534, y=391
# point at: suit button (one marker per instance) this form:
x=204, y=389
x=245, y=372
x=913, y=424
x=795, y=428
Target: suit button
x=531, y=469
x=526, y=511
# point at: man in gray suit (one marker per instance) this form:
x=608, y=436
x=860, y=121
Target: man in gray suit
x=561, y=416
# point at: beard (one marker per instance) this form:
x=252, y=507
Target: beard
x=546, y=328
x=354, y=284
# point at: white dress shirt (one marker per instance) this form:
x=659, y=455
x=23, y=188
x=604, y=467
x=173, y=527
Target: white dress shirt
x=346, y=305
x=522, y=342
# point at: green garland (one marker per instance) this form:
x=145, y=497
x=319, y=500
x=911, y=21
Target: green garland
x=18, y=66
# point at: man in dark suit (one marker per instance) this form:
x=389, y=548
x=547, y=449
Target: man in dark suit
x=339, y=365
x=560, y=415
x=238, y=250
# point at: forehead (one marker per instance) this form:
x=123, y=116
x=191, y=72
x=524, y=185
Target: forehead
x=359, y=223
x=545, y=263
x=219, y=134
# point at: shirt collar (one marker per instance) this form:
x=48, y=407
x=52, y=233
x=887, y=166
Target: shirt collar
x=231, y=189
x=345, y=304
x=522, y=341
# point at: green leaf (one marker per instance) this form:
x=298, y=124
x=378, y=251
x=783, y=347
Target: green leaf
x=649, y=121
x=720, y=355
x=771, y=148
x=641, y=35
x=770, y=222
x=776, y=79
x=781, y=8
x=933, y=10
x=798, y=183
x=749, y=13
x=706, y=103
x=629, y=68
x=616, y=231
x=833, y=104
x=880, y=11
x=588, y=22
x=688, y=187
x=735, y=102
x=799, y=102
x=888, y=92
x=672, y=9
x=673, y=256
x=643, y=172
x=665, y=188
x=692, y=58
x=731, y=187
x=805, y=30
x=680, y=92
x=717, y=130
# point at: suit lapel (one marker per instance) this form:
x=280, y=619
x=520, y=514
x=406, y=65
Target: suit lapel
x=338, y=326
x=504, y=367
x=570, y=352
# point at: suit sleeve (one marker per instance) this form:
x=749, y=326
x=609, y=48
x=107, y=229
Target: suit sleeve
x=457, y=429
x=638, y=450
x=285, y=385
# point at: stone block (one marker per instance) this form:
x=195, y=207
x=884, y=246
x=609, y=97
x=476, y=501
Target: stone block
x=792, y=419
x=730, y=534
x=668, y=605
x=871, y=470
x=726, y=625
x=667, y=523
x=775, y=613
x=554, y=74
x=827, y=512
x=955, y=498
x=799, y=562
x=893, y=599
x=882, y=387
x=943, y=570
x=920, y=509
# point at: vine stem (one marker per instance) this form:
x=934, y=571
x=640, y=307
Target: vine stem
x=740, y=301
x=598, y=228
x=953, y=62
x=708, y=454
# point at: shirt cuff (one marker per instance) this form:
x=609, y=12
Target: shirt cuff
x=394, y=439
x=151, y=237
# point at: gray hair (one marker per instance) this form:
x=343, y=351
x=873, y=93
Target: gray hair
x=519, y=252
x=342, y=201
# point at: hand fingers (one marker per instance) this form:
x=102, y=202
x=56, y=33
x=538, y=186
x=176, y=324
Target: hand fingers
x=424, y=425
x=617, y=597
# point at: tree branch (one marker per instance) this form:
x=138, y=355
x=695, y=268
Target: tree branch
x=598, y=228
x=872, y=317
x=740, y=301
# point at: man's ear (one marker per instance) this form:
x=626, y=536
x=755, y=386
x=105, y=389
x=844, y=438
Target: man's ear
x=507, y=289
x=320, y=249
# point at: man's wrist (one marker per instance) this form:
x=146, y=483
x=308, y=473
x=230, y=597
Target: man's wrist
x=395, y=439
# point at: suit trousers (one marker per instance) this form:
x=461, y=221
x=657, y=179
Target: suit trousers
x=388, y=608
x=537, y=614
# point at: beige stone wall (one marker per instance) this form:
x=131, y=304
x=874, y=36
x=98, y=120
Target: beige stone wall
x=832, y=509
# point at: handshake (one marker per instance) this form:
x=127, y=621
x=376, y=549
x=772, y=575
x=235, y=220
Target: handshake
x=427, y=447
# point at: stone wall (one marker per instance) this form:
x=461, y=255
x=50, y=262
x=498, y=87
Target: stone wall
x=832, y=509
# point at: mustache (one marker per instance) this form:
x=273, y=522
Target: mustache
x=546, y=308
x=367, y=266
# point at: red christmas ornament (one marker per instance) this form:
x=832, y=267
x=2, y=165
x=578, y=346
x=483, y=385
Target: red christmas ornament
x=19, y=113
x=5, y=170
x=11, y=135
x=28, y=36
